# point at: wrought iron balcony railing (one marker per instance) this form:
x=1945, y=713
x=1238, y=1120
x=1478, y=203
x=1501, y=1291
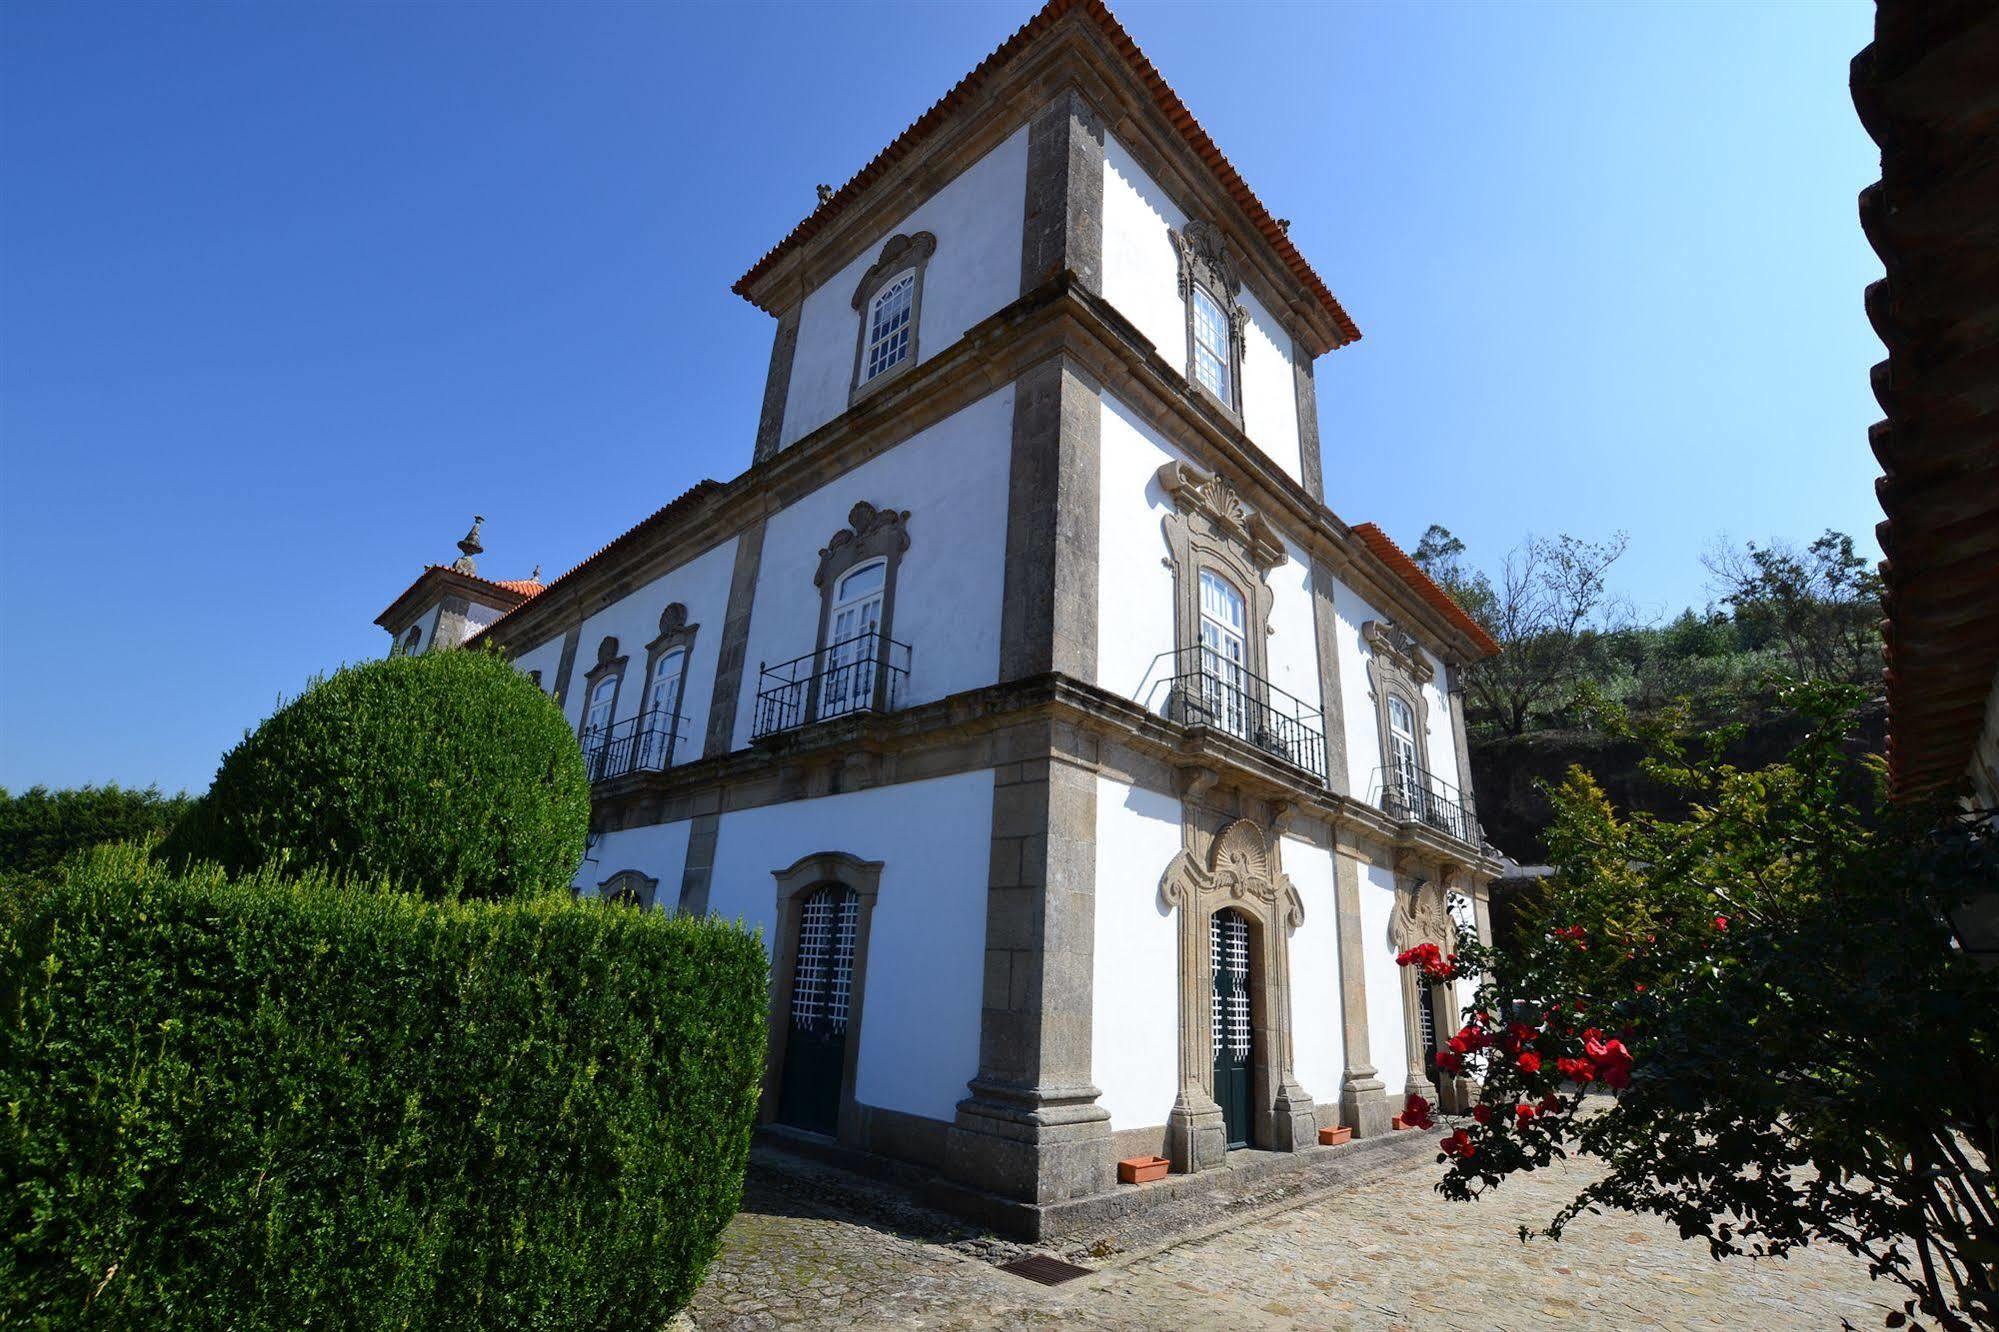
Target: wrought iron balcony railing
x=865, y=673
x=1207, y=689
x=645, y=743
x=1413, y=795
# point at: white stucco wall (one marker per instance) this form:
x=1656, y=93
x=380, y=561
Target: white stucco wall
x=1135, y=585
x=1318, y=1048
x=1135, y=978
x=1356, y=696
x=478, y=615
x=544, y=657
x=1142, y=279
x=426, y=622
x=1292, y=643
x=952, y=478
x=1385, y=1041
x=926, y=953
x=658, y=851
x=977, y=221
x=1442, y=739
x=702, y=585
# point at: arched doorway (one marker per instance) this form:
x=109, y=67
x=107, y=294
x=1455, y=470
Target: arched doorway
x=1233, y=1032
x=822, y=985
x=818, y=980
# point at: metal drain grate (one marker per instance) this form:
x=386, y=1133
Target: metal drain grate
x=1048, y=1271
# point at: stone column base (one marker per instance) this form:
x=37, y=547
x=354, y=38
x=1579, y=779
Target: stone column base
x=1364, y=1106
x=1034, y=1145
x=1294, y=1120
x=1197, y=1136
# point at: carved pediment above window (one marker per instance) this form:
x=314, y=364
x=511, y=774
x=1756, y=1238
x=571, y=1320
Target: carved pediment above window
x=1399, y=649
x=1205, y=258
x=1238, y=867
x=899, y=253
x=869, y=532
x=1210, y=497
x=1421, y=916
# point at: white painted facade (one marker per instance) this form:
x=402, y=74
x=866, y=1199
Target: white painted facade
x=976, y=219
x=1142, y=279
x=919, y=1029
x=952, y=481
x=1136, y=981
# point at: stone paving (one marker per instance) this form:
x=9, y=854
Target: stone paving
x=821, y=1249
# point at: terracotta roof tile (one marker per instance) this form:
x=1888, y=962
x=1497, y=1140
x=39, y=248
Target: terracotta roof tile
x=967, y=89
x=1412, y=573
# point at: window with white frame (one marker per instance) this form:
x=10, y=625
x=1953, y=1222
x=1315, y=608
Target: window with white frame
x=1211, y=346
x=853, y=636
x=411, y=640
x=1224, y=652
x=889, y=325
x=597, y=714
x=661, y=727
x=1402, y=752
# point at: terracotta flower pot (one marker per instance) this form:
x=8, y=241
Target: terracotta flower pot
x=1141, y=1169
x=1333, y=1137
x=1396, y=1123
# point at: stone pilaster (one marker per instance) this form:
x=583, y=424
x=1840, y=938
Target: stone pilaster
x=1332, y=707
x=1454, y=697
x=1048, y=617
x=1032, y=1130
x=777, y=388
x=1064, y=213
x=1364, y=1103
x=735, y=641
x=565, y=667
x=699, y=868
x=1311, y=465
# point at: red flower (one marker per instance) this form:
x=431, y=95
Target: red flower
x=1482, y=1113
x=1550, y=1104
x=1450, y=1061
x=1523, y=1112
x=1576, y=1070
x=1639, y=987
x=1530, y=1062
x=1416, y=1113
x=1612, y=1060
x=1458, y=1144
x=1721, y=923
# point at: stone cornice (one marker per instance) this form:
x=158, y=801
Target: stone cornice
x=1076, y=54
x=1048, y=715
x=1060, y=317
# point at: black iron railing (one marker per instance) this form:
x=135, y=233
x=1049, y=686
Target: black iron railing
x=865, y=673
x=1207, y=689
x=645, y=743
x=1413, y=795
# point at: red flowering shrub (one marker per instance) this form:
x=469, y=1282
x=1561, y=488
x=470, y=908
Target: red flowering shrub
x=1789, y=1044
x=1416, y=1113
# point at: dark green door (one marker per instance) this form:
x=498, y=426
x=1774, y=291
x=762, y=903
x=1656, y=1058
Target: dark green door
x=1228, y=949
x=815, y=1047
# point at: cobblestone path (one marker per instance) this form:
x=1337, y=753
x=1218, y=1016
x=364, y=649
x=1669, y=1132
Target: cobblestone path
x=1384, y=1254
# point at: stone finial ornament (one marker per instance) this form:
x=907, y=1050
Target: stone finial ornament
x=468, y=547
x=825, y=192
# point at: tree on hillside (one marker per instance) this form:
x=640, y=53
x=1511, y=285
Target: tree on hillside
x=1550, y=603
x=1821, y=605
x=40, y=828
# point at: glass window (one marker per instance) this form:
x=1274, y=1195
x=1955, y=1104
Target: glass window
x=597, y=717
x=888, y=325
x=852, y=650
x=1224, y=653
x=1211, y=346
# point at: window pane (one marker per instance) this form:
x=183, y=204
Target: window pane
x=864, y=579
x=1211, y=345
x=888, y=326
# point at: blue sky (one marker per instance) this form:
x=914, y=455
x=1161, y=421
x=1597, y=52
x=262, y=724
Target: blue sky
x=289, y=291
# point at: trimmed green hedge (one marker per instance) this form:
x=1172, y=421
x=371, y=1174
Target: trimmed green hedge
x=272, y=1104
x=447, y=774
x=39, y=828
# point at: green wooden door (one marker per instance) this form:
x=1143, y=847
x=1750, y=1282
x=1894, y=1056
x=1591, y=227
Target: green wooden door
x=1228, y=950
x=815, y=1046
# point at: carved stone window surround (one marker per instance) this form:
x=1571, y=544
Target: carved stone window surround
x=1237, y=868
x=630, y=888
x=1207, y=262
x=1422, y=915
x=609, y=663
x=1398, y=667
x=899, y=254
x=795, y=883
x=674, y=633
x=1211, y=528
x=871, y=533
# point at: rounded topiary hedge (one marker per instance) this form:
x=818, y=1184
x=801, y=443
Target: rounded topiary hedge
x=449, y=774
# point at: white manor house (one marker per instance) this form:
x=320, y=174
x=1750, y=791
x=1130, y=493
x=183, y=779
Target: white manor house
x=1083, y=770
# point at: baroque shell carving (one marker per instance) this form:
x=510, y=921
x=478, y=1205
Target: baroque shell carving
x=1239, y=868
x=877, y=531
x=673, y=617
x=1209, y=495
x=1205, y=257
x=1421, y=916
x=1399, y=648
